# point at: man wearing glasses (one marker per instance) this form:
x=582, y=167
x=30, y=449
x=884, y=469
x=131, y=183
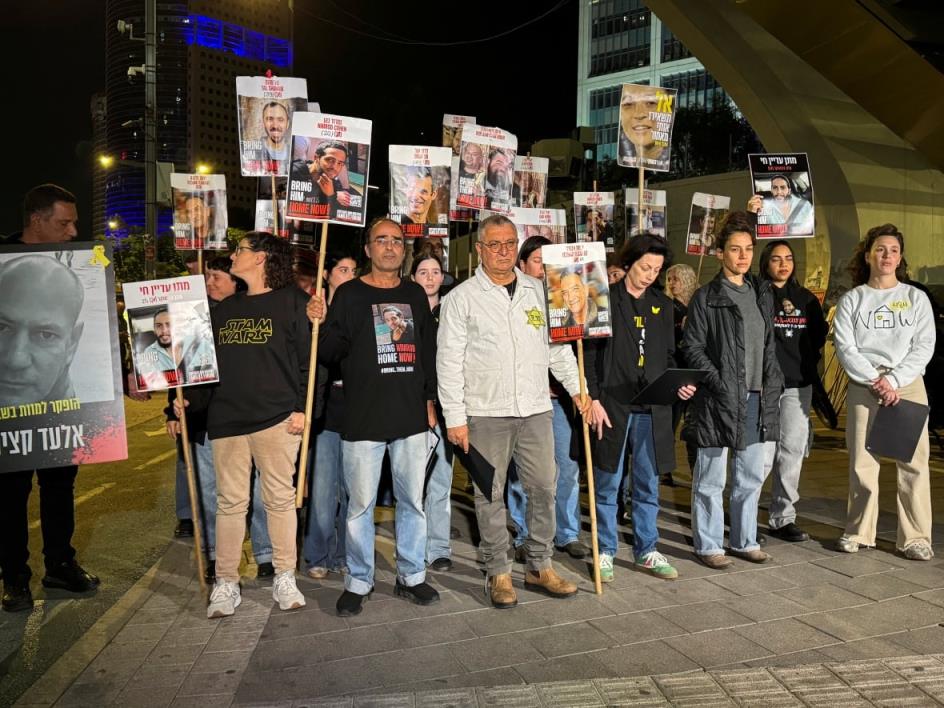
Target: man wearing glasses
x=389, y=395
x=492, y=364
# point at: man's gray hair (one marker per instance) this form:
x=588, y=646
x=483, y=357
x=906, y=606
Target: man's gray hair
x=494, y=220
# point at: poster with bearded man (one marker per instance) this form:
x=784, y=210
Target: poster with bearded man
x=264, y=107
x=419, y=189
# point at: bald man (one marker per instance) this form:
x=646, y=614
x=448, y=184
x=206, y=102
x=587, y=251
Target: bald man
x=40, y=301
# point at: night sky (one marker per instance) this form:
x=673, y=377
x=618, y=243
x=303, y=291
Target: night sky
x=524, y=81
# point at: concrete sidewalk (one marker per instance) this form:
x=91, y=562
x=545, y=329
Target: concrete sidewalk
x=811, y=627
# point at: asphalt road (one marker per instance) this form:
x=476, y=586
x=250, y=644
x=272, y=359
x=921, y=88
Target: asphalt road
x=124, y=523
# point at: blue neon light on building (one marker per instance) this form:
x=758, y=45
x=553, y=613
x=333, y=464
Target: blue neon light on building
x=226, y=37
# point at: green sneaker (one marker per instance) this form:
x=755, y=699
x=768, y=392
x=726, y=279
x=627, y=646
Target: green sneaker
x=656, y=564
x=606, y=568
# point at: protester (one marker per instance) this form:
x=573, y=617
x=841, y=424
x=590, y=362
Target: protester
x=492, y=362
x=261, y=335
x=220, y=284
x=323, y=545
x=614, y=271
x=617, y=369
x=567, y=497
x=680, y=285
x=389, y=392
x=49, y=216
x=729, y=333
x=885, y=336
x=800, y=329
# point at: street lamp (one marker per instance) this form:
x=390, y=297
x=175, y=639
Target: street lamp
x=203, y=168
x=106, y=161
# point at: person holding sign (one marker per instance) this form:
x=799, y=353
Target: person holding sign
x=617, y=368
x=884, y=332
x=493, y=358
x=729, y=333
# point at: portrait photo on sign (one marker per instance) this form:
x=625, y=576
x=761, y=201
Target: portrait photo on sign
x=645, y=127
x=486, y=168
x=265, y=107
x=653, y=212
x=578, y=293
x=593, y=218
x=420, y=248
x=530, y=189
x=452, y=130
x=200, y=218
x=785, y=185
x=172, y=345
x=706, y=217
x=419, y=189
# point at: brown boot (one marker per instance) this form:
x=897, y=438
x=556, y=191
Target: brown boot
x=502, y=592
x=547, y=581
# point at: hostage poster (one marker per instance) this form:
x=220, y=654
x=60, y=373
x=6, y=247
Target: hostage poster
x=593, y=218
x=578, y=292
x=785, y=185
x=530, y=190
x=653, y=212
x=265, y=106
x=419, y=248
x=330, y=160
x=263, y=220
x=549, y=223
x=704, y=222
x=171, y=337
x=200, y=219
x=60, y=388
x=419, y=189
x=645, y=127
x=486, y=168
x=452, y=130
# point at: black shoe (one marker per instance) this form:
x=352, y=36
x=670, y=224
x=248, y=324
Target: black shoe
x=17, y=596
x=521, y=555
x=441, y=564
x=791, y=532
x=184, y=529
x=265, y=570
x=422, y=594
x=209, y=573
x=667, y=480
x=761, y=539
x=350, y=604
x=575, y=549
x=70, y=576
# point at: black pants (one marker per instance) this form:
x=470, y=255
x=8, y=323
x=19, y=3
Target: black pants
x=56, y=514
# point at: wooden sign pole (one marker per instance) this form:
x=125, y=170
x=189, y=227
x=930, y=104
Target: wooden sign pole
x=194, y=499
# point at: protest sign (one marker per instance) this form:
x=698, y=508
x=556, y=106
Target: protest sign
x=264, y=201
x=549, y=223
x=578, y=292
x=418, y=248
x=530, y=190
x=705, y=219
x=786, y=185
x=653, y=212
x=457, y=213
x=61, y=389
x=200, y=219
x=645, y=130
x=419, y=189
x=593, y=217
x=486, y=167
x=452, y=130
x=265, y=106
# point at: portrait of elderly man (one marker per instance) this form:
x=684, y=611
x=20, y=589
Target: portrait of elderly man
x=578, y=299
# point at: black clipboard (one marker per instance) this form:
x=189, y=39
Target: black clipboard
x=481, y=470
x=896, y=430
x=664, y=390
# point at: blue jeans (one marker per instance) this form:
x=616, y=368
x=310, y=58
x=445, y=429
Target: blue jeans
x=437, y=505
x=205, y=474
x=361, y=461
x=747, y=479
x=645, y=490
x=323, y=546
x=567, y=504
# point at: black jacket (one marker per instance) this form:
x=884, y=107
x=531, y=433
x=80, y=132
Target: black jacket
x=615, y=385
x=714, y=340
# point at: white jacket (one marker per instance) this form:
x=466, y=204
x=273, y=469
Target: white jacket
x=493, y=353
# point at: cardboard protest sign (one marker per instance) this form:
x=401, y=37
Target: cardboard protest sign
x=60, y=388
x=419, y=189
x=704, y=222
x=330, y=162
x=200, y=218
x=171, y=337
x=786, y=184
x=645, y=129
x=593, y=217
x=578, y=291
x=486, y=168
x=457, y=213
x=263, y=220
x=452, y=130
x=549, y=223
x=265, y=107
x=653, y=212
x=530, y=190
x=419, y=248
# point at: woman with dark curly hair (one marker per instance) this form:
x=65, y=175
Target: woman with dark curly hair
x=884, y=334
x=256, y=412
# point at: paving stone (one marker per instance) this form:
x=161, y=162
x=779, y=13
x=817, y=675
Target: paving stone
x=569, y=668
x=144, y=697
x=100, y=693
x=320, y=648
x=431, y=630
x=684, y=592
x=644, y=659
x=749, y=684
x=807, y=574
x=717, y=647
x=141, y=633
x=222, y=661
x=525, y=696
x=896, y=695
x=298, y=624
x=583, y=607
x=864, y=673
x=449, y=698
x=702, y=616
x=169, y=676
x=801, y=678
x=638, y=627
x=505, y=676
x=881, y=586
x=873, y=648
x=220, y=700
x=935, y=597
x=572, y=693
x=769, y=606
x=875, y=619
x=817, y=598
x=785, y=636
x=799, y=658
x=633, y=600
x=183, y=637
x=390, y=700
x=244, y=641
x=488, y=622
x=928, y=575
x=567, y=639
x=493, y=652
x=832, y=697
x=749, y=582
x=915, y=668
x=639, y=691
x=394, y=610
x=333, y=702
x=187, y=653
x=785, y=554
x=211, y=684
x=685, y=687
x=855, y=565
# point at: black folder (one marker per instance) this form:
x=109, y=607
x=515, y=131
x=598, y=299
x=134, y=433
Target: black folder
x=896, y=430
x=664, y=390
x=481, y=470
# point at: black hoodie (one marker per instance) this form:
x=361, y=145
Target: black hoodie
x=800, y=330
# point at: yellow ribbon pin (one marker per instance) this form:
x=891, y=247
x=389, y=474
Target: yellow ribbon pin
x=99, y=257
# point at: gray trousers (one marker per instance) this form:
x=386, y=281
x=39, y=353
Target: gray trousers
x=530, y=441
x=785, y=457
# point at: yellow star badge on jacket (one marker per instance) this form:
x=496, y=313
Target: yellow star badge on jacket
x=535, y=317
x=656, y=310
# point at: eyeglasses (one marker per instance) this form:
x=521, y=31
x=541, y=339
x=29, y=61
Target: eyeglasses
x=496, y=246
x=239, y=249
x=394, y=241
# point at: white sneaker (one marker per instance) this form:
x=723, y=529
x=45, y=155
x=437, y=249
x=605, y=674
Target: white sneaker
x=286, y=592
x=224, y=599
x=606, y=568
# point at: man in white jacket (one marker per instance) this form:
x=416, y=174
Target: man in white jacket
x=493, y=355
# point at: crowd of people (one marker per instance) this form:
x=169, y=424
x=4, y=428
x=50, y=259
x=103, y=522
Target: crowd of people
x=409, y=376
